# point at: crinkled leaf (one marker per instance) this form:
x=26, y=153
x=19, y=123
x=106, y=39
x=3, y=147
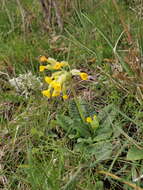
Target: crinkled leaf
x=65, y=122
x=81, y=128
x=107, y=115
x=85, y=108
x=134, y=154
x=72, y=126
x=103, y=133
x=101, y=150
x=74, y=112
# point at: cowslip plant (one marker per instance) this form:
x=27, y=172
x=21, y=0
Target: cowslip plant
x=89, y=130
x=79, y=123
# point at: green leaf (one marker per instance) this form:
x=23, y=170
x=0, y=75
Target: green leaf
x=81, y=128
x=103, y=133
x=99, y=185
x=101, y=150
x=74, y=112
x=107, y=115
x=65, y=122
x=86, y=109
x=76, y=128
x=134, y=154
x=106, y=118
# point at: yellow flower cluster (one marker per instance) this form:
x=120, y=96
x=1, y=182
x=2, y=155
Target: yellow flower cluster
x=60, y=79
x=93, y=121
x=58, y=83
x=52, y=64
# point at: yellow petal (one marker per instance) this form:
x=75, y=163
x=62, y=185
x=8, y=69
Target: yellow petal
x=58, y=88
x=48, y=80
x=88, y=119
x=46, y=93
x=64, y=63
x=57, y=66
x=56, y=85
x=55, y=93
x=43, y=59
x=84, y=76
x=42, y=68
x=65, y=97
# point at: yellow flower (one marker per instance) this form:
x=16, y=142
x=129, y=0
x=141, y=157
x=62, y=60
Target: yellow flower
x=56, y=86
x=55, y=93
x=48, y=80
x=65, y=97
x=84, y=76
x=88, y=119
x=46, y=93
x=53, y=83
x=42, y=68
x=57, y=66
x=43, y=59
x=64, y=63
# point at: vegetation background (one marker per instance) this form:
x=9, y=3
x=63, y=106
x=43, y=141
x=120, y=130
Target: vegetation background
x=44, y=145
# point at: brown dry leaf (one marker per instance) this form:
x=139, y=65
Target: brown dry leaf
x=62, y=49
x=120, y=76
x=55, y=39
x=107, y=60
x=92, y=60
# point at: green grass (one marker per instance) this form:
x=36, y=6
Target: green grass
x=45, y=145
